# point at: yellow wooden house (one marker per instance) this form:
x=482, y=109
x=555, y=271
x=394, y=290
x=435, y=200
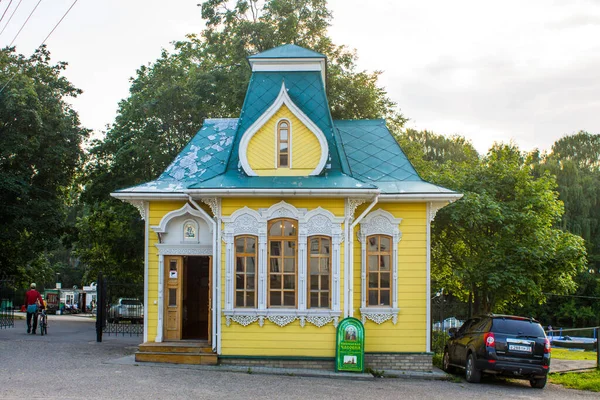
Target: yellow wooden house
x=268, y=229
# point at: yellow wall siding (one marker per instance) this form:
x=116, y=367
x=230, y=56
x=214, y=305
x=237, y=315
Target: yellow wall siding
x=271, y=339
x=410, y=333
x=157, y=210
x=305, y=147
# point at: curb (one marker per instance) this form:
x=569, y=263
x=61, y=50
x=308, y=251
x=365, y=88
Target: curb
x=298, y=372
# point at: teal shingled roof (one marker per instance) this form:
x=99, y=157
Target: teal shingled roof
x=287, y=51
x=203, y=158
x=306, y=90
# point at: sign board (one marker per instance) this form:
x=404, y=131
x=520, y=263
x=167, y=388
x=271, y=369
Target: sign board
x=173, y=274
x=350, y=346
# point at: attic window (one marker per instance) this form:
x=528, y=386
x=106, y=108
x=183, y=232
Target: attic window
x=283, y=143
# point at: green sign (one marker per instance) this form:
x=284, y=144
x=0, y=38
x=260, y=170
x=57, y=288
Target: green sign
x=350, y=346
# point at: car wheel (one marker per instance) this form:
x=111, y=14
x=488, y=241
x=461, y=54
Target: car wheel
x=473, y=374
x=446, y=362
x=538, y=383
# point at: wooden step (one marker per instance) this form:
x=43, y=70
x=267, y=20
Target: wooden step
x=177, y=358
x=174, y=348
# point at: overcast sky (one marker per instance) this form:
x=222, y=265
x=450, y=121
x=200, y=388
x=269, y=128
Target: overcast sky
x=527, y=71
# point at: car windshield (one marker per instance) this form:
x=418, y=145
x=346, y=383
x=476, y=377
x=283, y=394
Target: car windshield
x=128, y=302
x=517, y=327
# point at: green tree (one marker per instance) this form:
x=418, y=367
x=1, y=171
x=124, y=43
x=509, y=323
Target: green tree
x=40, y=152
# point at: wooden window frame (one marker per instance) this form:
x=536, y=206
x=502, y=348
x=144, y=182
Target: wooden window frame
x=245, y=256
x=282, y=239
x=378, y=253
x=309, y=274
x=287, y=141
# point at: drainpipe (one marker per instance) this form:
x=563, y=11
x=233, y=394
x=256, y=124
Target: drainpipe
x=350, y=271
x=215, y=293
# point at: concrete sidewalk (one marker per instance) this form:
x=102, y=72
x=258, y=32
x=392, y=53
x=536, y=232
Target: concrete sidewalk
x=436, y=374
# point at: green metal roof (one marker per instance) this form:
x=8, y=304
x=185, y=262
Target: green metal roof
x=287, y=51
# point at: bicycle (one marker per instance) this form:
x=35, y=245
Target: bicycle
x=43, y=322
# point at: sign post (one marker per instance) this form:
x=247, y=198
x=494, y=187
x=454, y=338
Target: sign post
x=350, y=346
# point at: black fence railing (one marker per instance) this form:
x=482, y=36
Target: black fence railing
x=7, y=307
x=120, y=308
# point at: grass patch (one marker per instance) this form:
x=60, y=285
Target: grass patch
x=564, y=354
x=578, y=380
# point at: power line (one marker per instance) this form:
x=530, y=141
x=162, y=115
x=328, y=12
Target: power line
x=24, y=23
x=53, y=29
x=11, y=16
x=573, y=295
x=7, y=7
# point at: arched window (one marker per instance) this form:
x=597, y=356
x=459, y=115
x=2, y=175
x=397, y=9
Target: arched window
x=319, y=265
x=283, y=263
x=245, y=271
x=283, y=144
x=379, y=269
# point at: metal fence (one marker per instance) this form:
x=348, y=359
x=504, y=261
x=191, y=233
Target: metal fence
x=120, y=308
x=7, y=295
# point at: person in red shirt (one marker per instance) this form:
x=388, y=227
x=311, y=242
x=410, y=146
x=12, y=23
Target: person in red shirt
x=33, y=298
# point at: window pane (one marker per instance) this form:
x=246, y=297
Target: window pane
x=250, y=282
x=283, y=135
x=283, y=148
x=289, y=282
x=275, y=281
x=314, y=265
x=250, y=245
x=173, y=265
x=324, y=299
x=283, y=160
x=372, y=243
x=290, y=248
x=384, y=263
x=239, y=299
x=372, y=297
x=283, y=125
x=275, y=298
x=275, y=248
x=325, y=265
x=239, y=264
x=372, y=263
x=373, y=280
x=239, y=245
x=314, y=246
x=250, y=265
x=289, y=265
x=275, y=267
x=172, y=297
x=239, y=281
x=250, y=299
x=324, y=282
x=314, y=282
x=385, y=281
x=289, y=299
x=314, y=300
x=325, y=246
x=289, y=229
x=384, y=243
x=385, y=298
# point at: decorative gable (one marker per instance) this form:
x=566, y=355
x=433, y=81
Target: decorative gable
x=283, y=141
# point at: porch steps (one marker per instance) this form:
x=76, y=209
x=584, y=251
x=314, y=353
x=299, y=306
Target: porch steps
x=177, y=353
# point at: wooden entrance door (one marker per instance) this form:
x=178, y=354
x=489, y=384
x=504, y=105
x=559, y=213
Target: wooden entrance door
x=173, y=294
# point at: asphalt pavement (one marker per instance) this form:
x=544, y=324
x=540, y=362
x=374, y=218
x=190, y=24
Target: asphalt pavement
x=68, y=363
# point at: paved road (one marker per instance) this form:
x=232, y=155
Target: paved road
x=69, y=364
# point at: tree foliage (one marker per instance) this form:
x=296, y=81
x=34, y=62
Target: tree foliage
x=40, y=153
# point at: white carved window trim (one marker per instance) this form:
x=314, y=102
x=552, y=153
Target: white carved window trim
x=246, y=221
x=379, y=222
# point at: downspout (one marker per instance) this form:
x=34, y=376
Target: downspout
x=350, y=242
x=214, y=303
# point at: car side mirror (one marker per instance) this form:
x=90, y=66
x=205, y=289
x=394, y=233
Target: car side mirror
x=452, y=333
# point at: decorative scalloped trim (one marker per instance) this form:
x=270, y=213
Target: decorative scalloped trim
x=319, y=321
x=281, y=320
x=243, y=320
x=380, y=316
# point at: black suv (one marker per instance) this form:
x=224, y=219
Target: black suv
x=502, y=345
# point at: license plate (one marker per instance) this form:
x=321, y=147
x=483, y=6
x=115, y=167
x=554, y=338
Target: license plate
x=516, y=347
